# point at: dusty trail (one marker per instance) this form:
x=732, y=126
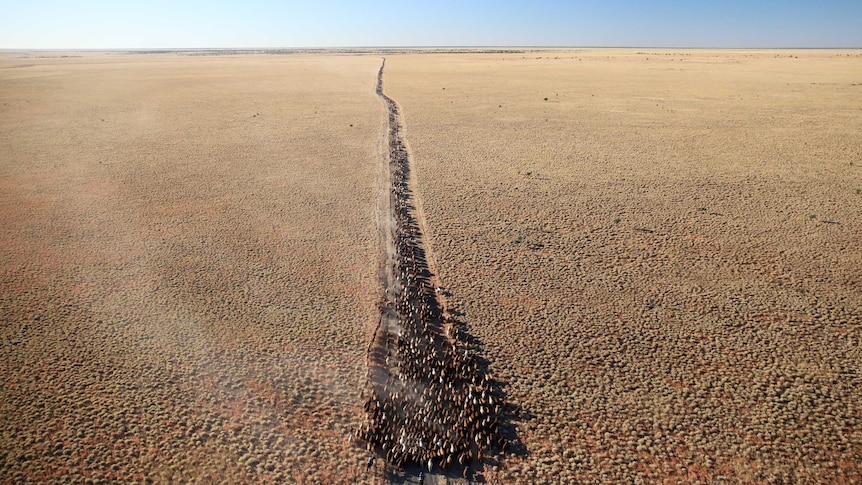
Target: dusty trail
x=428, y=404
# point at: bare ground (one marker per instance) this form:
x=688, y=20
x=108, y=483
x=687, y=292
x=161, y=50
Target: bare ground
x=658, y=250
x=189, y=267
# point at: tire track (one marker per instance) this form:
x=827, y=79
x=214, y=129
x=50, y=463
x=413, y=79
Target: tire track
x=428, y=403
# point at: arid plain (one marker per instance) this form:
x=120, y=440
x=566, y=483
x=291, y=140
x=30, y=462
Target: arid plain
x=189, y=266
x=657, y=252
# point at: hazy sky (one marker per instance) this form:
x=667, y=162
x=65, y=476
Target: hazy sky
x=329, y=23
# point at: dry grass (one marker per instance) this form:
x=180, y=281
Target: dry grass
x=661, y=258
x=189, y=266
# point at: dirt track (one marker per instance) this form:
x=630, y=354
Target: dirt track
x=657, y=252
x=429, y=404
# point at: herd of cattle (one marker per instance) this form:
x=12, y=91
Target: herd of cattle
x=429, y=403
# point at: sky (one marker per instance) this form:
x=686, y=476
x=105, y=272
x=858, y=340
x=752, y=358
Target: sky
x=118, y=24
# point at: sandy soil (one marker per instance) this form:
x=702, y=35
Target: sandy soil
x=189, y=266
x=659, y=251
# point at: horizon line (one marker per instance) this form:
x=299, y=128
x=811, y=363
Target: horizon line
x=258, y=48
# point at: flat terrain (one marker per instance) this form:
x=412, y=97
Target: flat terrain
x=189, y=262
x=659, y=250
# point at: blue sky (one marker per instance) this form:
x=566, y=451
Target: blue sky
x=327, y=23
